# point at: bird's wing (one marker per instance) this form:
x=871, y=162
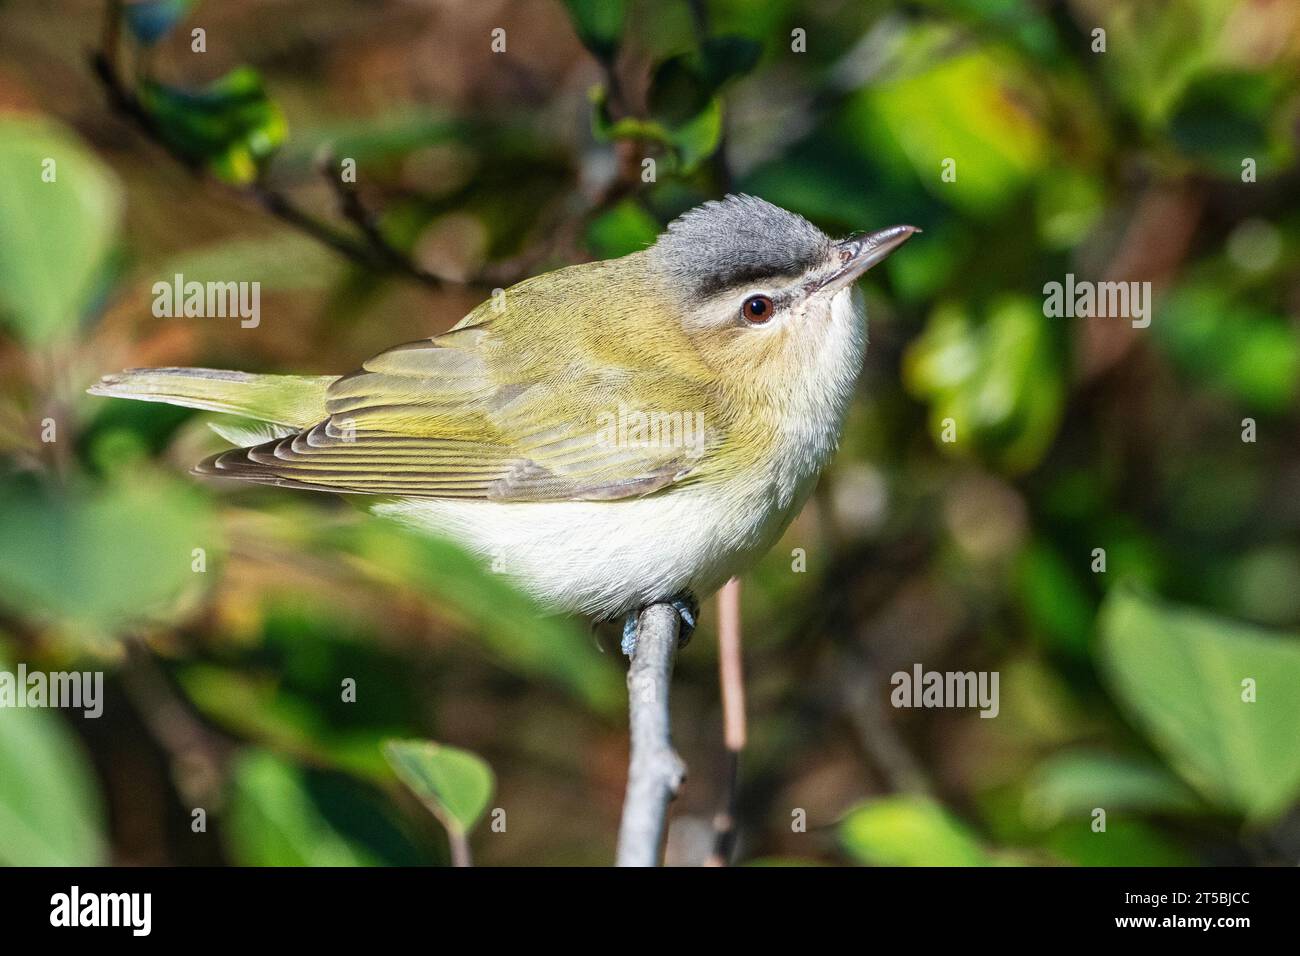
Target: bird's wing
x=474, y=413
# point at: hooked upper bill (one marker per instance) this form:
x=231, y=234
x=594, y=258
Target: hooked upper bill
x=859, y=253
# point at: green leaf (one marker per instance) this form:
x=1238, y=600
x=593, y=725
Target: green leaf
x=454, y=784
x=625, y=228
x=151, y=20
x=388, y=139
x=684, y=85
x=1053, y=597
x=727, y=57
x=1067, y=206
x=272, y=819
x=910, y=831
x=1180, y=673
x=54, y=236
x=688, y=144
x=101, y=558
x=698, y=138
x=50, y=808
x=684, y=105
x=230, y=126
x=1072, y=785
x=599, y=25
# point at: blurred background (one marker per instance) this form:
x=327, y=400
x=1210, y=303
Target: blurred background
x=1115, y=529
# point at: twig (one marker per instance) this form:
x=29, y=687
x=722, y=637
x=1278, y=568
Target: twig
x=731, y=678
x=197, y=756
x=655, y=773
x=880, y=740
x=459, y=842
x=367, y=221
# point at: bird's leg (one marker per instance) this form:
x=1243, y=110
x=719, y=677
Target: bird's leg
x=629, y=634
x=687, y=608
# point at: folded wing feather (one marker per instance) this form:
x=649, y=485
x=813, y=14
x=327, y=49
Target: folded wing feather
x=430, y=419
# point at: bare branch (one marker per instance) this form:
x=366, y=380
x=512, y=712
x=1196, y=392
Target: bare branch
x=655, y=772
x=367, y=221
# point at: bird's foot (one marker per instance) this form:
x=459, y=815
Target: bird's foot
x=629, y=634
x=687, y=608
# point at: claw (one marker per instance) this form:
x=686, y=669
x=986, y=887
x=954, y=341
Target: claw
x=687, y=608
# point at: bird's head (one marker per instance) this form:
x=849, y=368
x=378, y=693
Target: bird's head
x=765, y=296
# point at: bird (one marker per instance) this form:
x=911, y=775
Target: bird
x=608, y=435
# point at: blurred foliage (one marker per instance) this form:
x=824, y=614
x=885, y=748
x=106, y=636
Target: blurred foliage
x=1185, y=674
x=998, y=383
x=1106, y=516
x=910, y=831
x=282, y=814
x=96, y=559
x=58, y=222
x=231, y=125
x=51, y=812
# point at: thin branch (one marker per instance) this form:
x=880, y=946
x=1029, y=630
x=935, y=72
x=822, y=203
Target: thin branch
x=367, y=221
x=731, y=678
x=459, y=841
x=457, y=838
x=865, y=706
x=288, y=212
x=112, y=31
x=655, y=772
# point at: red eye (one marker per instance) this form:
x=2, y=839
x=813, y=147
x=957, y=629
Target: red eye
x=757, y=309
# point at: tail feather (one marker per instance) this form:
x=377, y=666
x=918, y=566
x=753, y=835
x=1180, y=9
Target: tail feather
x=297, y=401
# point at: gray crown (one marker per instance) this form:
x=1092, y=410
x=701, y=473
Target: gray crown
x=738, y=240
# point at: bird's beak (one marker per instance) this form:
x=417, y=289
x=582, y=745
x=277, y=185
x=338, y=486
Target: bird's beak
x=857, y=254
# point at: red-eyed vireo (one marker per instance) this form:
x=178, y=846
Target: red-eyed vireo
x=611, y=434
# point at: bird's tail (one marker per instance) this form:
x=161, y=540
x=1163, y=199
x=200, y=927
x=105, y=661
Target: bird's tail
x=292, y=401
